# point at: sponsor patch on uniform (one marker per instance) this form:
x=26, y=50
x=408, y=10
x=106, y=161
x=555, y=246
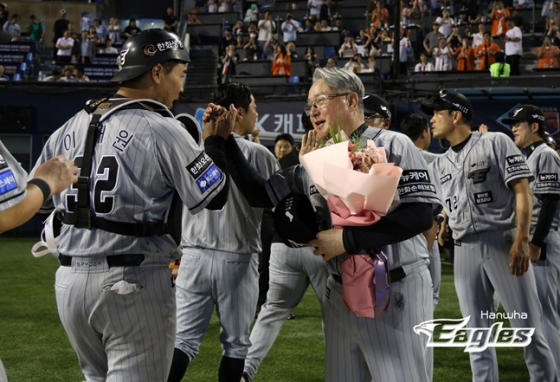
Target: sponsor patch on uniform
x=414, y=176
x=515, y=159
x=7, y=182
x=416, y=188
x=547, y=185
x=518, y=168
x=548, y=177
x=445, y=178
x=415, y=181
x=478, y=176
x=197, y=167
x=483, y=197
x=209, y=178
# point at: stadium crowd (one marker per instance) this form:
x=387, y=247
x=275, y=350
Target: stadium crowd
x=433, y=35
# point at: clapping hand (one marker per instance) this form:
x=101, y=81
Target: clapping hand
x=218, y=121
x=309, y=142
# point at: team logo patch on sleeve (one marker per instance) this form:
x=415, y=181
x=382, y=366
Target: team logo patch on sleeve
x=197, y=167
x=483, y=197
x=313, y=190
x=7, y=182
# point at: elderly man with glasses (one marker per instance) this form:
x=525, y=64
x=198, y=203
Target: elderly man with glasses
x=384, y=348
x=381, y=348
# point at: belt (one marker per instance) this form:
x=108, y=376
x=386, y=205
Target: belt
x=395, y=275
x=130, y=260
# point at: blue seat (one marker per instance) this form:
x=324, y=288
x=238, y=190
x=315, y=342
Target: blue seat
x=16, y=77
x=329, y=51
x=29, y=58
x=23, y=67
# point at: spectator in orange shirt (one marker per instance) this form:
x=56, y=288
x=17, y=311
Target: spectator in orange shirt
x=498, y=16
x=464, y=56
x=379, y=15
x=548, y=54
x=485, y=52
x=282, y=62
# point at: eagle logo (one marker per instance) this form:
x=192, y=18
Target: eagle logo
x=121, y=59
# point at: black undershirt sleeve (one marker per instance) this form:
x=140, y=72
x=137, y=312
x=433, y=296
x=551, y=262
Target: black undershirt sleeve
x=406, y=221
x=215, y=148
x=546, y=215
x=246, y=178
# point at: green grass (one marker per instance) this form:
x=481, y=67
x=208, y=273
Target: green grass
x=34, y=347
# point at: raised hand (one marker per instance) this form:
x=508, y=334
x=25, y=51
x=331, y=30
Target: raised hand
x=58, y=172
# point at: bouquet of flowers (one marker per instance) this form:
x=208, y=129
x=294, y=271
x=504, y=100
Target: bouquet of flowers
x=360, y=187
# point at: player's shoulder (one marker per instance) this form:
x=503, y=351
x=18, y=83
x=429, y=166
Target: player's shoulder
x=389, y=137
x=546, y=154
x=494, y=138
x=255, y=150
x=77, y=121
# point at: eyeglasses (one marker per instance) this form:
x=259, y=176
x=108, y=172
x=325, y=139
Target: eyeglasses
x=321, y=101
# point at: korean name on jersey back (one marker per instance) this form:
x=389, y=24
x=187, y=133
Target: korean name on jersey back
x=7, y=181
x=205, y=172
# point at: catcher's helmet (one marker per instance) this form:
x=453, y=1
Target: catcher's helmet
x=142, y=51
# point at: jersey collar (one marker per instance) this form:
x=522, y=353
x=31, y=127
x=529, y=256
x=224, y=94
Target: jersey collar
x=527, y=151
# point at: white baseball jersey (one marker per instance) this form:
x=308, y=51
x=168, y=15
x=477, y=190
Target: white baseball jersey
x=141, y=158
x=474, y=183
x=13, y=180
x=236, y=227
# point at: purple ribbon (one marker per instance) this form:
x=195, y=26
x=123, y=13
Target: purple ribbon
x=382, y=287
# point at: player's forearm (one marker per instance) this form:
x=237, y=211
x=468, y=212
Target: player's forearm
x=408, y=220
x=544, y=221
x=23, y=211
x=214, y=148
x=523, y=208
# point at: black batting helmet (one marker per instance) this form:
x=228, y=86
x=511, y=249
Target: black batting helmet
x=142, y=51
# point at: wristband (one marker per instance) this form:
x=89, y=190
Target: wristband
x=43, y=186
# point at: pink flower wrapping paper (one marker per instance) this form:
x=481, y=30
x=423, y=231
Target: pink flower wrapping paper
x=357, y=198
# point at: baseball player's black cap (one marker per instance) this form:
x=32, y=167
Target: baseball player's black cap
x=375, y=106
x=449, y=100
x=144, y=50
x=525, y=113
